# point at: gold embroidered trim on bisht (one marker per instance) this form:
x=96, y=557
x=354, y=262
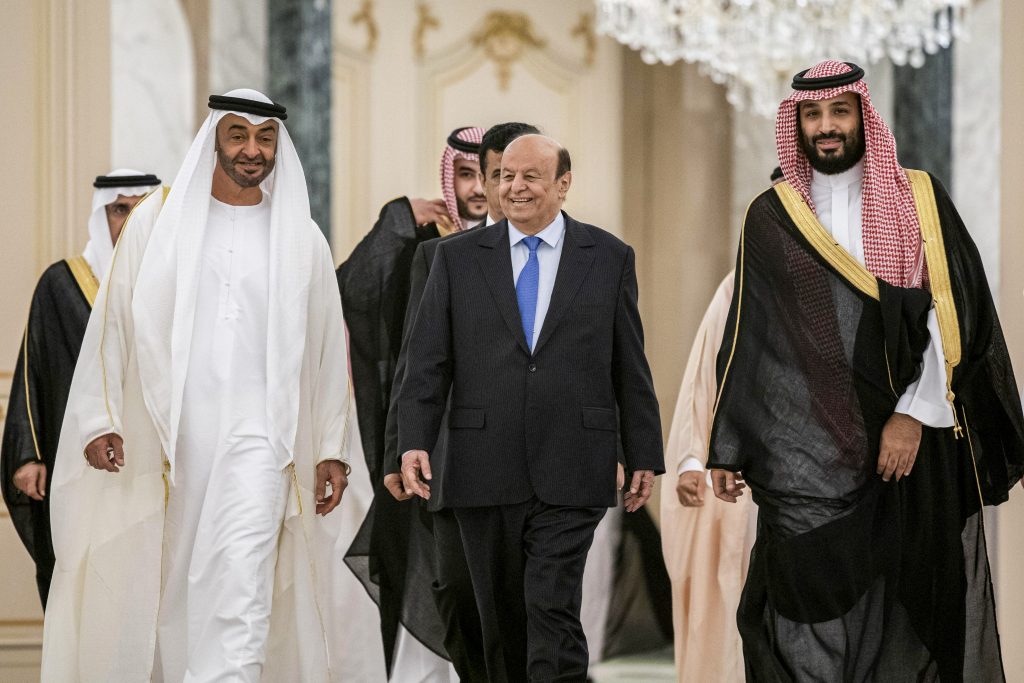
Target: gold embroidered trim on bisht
x=938, y=271
x=28, y=397
x=84, y=277
x=820, y=239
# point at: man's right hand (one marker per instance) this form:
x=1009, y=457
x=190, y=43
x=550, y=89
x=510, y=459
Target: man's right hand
x=30, y=479
x=728, y=486
x=393, y=483
x=106, y=452
x=428, y=210
x=415, y=463
x=690, y=489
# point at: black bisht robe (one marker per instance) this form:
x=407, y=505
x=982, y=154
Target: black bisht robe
x=39, y=394
x=852, y=578
x=374, y=284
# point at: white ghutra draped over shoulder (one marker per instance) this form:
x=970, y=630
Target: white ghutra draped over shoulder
x=108, y=528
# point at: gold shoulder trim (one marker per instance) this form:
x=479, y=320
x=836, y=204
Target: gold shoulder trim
x=819, y=238
x=28, y=395
x=938, y=270
x=738, y=293
x=85, y=278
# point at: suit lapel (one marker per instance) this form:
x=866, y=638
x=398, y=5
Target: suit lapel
x=495, y=259
x=577, y=258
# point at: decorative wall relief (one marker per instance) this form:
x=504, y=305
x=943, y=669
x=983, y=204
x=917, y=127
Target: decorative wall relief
x=365, y=16
x=503, y=37
x=425, y=21
x=584, y=30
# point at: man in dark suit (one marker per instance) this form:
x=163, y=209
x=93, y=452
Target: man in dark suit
x=541, y=348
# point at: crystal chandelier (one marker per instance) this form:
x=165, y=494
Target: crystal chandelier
x=753, y=47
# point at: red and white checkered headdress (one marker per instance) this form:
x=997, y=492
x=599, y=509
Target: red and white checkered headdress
x=463, y=143
x=891, y=231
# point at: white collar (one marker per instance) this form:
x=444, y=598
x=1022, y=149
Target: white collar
x=852, y=175
x=549, y=235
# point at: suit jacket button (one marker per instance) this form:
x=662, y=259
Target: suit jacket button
x=532, y=367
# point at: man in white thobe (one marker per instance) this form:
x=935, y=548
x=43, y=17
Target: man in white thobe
x=211, y=400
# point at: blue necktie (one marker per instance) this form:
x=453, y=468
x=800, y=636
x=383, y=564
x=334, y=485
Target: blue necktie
x=526, y=289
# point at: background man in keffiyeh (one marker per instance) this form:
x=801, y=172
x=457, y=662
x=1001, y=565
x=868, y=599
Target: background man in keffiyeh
x=42, y=377
x=862, y=345
x=374, y=285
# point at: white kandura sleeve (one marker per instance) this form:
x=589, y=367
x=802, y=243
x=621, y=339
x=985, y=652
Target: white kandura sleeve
x=925, y=399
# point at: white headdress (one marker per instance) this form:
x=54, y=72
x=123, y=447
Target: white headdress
x=164, y=301
x=123, y=181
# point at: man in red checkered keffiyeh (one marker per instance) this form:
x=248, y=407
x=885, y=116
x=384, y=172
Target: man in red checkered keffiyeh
x=892, y=237
x=834, y=385
x=461, y=182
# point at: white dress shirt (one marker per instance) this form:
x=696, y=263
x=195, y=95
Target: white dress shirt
x=549, y=253
x=837, y=202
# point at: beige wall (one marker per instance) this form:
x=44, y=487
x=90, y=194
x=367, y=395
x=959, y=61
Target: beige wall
x=54, y=71
x=1009, y=550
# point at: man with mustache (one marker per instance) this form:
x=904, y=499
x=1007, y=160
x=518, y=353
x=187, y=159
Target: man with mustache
x=211, y=405
x=862, y=346
x=60, y=309
x=525, y=373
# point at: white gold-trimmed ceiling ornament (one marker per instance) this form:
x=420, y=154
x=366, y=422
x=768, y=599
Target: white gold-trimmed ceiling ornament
x=753, y=47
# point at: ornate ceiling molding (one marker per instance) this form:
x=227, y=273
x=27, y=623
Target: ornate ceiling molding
x=365, y=16
x=504, y=37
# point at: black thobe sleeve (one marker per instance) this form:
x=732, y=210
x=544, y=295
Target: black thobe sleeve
x=39, y=394
x=374, y=288
x=986, y=391
x=19, y=441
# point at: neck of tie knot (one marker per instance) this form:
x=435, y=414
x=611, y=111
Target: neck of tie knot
x=532, y=243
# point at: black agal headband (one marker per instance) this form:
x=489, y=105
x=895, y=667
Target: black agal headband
x=103, y=181
x=801, y=82
x=225, y=103
x=456, y=143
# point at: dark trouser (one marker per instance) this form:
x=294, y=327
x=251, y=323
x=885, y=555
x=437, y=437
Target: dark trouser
x=526, y=562
x=453, y=593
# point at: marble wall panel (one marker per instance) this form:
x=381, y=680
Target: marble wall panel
x=152, y=80
x=299, y=76
x=238, y=45
x=977, y=148
x=922, y=121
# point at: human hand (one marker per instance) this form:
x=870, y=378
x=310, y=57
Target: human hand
x=728, y=486
x=415, y=463
x=30, y=479
x=428, y=210
x=901, y=437
x=393, y=483
x=690, y=489
x=106, y=452
x=329, y=472
x=639, y=490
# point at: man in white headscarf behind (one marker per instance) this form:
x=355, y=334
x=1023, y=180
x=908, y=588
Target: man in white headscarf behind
x=212, y=405
x=57, y=318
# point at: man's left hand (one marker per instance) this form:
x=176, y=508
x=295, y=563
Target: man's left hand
x=901, y=437
x=332, y=472
x=639, y=490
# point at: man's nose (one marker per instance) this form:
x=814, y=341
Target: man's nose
x=478, y=184
x=251, y=149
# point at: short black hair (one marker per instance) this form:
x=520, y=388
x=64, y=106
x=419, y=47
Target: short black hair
x=564, y=163
x=498, y=137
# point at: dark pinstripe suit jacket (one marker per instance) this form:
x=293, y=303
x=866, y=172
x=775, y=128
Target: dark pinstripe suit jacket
x=523, y=424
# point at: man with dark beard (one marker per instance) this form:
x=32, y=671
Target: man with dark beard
x=374, y=286
x=862, y=344
x=211, y=404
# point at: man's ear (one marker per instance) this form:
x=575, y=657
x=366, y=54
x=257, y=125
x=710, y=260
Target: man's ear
x=564, y=183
